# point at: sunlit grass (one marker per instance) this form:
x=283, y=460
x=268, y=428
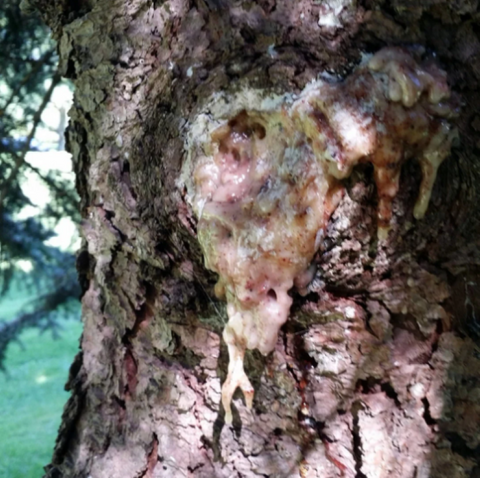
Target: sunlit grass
x=31, y=392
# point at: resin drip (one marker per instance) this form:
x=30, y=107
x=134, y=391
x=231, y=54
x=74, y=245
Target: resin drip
x=269, y=179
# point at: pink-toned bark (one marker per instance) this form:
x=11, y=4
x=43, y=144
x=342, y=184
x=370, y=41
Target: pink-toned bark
x=376, y=373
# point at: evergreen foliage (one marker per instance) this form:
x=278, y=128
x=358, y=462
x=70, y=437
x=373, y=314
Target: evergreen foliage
x=28, y=76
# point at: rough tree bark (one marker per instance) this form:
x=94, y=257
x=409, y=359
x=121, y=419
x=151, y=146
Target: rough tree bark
x=376, y=373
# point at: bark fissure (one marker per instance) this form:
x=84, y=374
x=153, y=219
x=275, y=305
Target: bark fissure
x=357, y=440
x=152, y=459
x=426, y=413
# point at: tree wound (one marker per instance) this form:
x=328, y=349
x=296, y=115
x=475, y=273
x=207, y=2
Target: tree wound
x=269, y=179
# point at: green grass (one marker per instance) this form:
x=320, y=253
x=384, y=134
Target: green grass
x=31, y=393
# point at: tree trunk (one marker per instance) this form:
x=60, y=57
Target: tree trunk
x=376, y=372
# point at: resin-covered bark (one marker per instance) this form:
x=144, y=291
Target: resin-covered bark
x=266, y=182
x=376, y=373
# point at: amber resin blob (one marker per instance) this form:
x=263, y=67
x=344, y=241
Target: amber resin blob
x=267, y=176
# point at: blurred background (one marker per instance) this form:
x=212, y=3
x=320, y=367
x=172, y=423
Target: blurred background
x=39, y=308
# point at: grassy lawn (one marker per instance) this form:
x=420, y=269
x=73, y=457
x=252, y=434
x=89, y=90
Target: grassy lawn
x=31, y=392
